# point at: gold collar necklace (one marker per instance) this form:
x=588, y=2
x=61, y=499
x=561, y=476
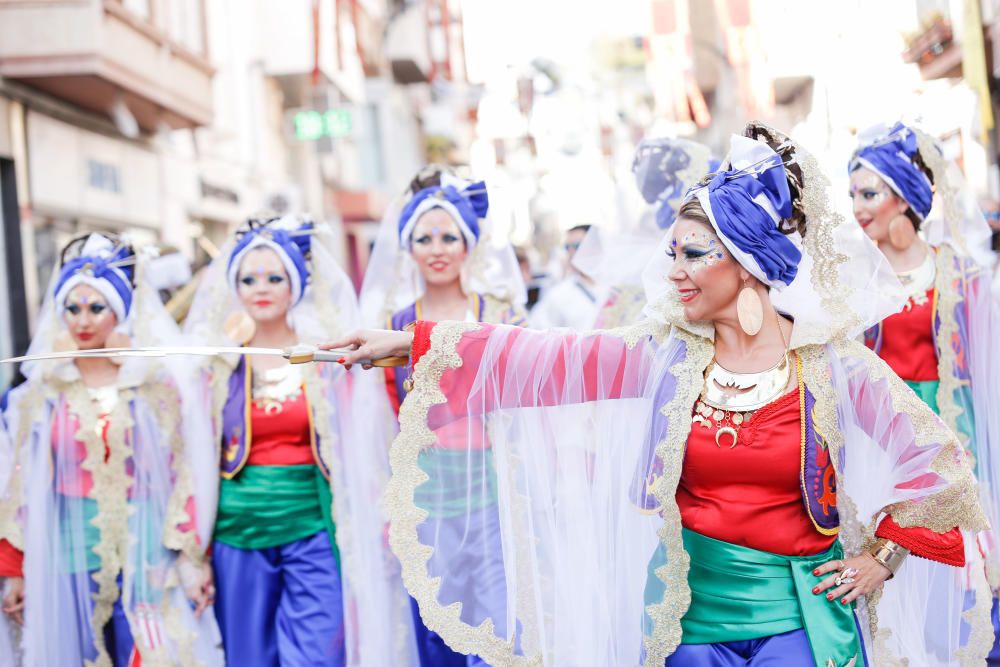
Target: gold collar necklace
x=729, y=399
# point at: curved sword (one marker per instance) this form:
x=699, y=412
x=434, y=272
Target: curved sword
x=298, y=354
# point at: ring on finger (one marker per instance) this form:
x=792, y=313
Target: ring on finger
x=845, y=577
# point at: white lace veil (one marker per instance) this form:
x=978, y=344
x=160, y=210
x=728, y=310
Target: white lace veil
x=393, y=281
x=958, y=220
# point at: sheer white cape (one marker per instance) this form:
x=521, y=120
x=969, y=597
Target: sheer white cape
x=535, y=472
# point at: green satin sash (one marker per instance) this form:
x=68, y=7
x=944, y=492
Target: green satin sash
x=739, y=593
x=927, y=391
x=268, y=506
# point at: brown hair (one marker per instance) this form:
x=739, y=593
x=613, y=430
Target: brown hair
x=781, y=145
x=428, y=177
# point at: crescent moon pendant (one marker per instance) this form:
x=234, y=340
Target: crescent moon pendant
x=725, y=430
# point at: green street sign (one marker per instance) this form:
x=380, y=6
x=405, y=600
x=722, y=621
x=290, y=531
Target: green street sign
x=313, y=125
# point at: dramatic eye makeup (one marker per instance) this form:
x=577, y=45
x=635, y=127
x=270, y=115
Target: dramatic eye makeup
x=699, y=249
x=84, y=304
x=448, y=237
x=872, y=190
x=250, y=279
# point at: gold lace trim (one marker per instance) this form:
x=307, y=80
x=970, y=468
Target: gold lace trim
x=32, y=403
x=948, y=297
x=632, y=334
x=980, y=640
x=666, y=614
x=414, y=436
x=110, y=493
x=165, y=401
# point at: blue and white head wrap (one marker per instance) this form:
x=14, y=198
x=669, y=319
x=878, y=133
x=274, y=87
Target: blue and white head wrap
x=290, y=238
x=745, y=203
x=889, y=153
x=466, y=202
x=105, y=266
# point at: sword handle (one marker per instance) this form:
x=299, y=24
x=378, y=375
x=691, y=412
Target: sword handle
x=302, y=354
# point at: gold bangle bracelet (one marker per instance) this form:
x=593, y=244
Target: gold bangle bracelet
x=889, y=554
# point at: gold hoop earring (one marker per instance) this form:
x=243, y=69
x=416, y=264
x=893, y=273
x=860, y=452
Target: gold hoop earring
x=239, y=327
x=902, y=232
x=749, y=310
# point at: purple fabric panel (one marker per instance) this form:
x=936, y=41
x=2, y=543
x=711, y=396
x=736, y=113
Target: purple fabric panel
x=234, y=442
x=820, y=481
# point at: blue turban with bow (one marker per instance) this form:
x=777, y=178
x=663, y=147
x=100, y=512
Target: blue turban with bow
x=889, y=152
x=745, y=203
x=105, y=266
x=290, y=238
x=467, y=203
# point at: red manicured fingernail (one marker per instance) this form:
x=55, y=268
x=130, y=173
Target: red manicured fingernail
x=816, y=571
x=829, y=596
x=341, y=360
x=844, y=601
x=816, y=590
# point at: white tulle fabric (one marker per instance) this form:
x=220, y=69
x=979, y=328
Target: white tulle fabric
x=525, y=493
x=393, y=281
x=535, y=473
x=971, y=405
x=139, y=505
x=355, y=424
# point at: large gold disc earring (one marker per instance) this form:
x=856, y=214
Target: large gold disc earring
x=749, y=310
x=901, y=232
x=239, y=327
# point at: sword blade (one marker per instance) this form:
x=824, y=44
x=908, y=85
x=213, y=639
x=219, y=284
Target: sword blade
x=297, y=354
x=201, y=351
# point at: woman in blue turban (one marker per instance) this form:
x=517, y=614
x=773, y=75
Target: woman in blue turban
x=106, y=502
x=437, y=261
x=710, y=487
x=300, y=565
x=943, y=342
